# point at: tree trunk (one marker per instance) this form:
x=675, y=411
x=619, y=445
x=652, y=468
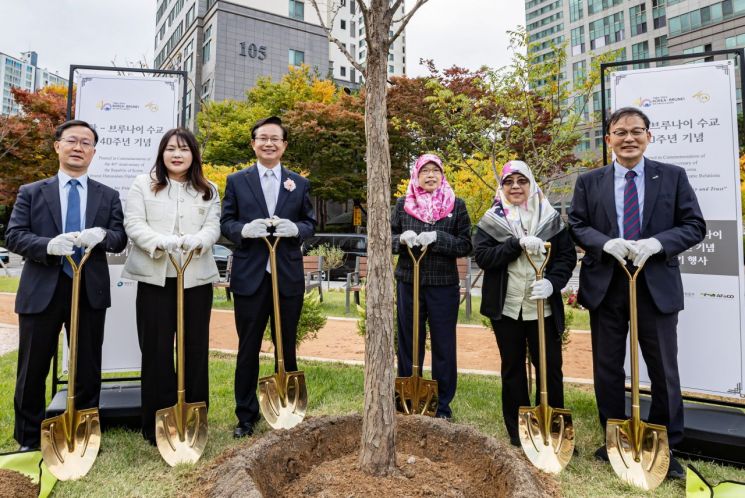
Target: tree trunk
x=377, y=454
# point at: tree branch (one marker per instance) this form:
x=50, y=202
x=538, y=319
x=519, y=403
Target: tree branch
x=336, y=41
x=405, y=19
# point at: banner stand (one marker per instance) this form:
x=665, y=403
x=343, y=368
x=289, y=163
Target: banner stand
x=714, y=428
x=120, y=395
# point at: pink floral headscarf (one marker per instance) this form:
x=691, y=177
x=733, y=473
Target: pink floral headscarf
x=425, y=206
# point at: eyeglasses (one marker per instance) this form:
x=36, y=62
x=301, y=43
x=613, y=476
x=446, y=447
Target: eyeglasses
x=430, y=171
x=636, y=132
x=72, y=142
x=268, y=140
x=521, y=182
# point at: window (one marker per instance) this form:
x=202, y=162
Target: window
x=362, y=54
x=638, y=19
x=575, y=10
x=189, y=63
x=390, y=69
x=640, y=51
x=658, y=13
x=595, y=6
x=206, y=89
x=190, y=17
x=579, y=73
x=352, y=75
x=606, y=31
x=207, y=45
x=297, y=10
x=352, y=7
x=660, y=46
x=161, y=11
x=352, y=29
x=296, y=57
x=343, y=24
x=390, y=57
x=342, y=70
x=578, y=40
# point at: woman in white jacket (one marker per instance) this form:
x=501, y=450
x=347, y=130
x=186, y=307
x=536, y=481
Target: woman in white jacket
x=172, y=209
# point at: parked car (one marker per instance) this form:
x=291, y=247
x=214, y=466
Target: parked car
x=4, y=255
x=221, y=253
x=353, y=245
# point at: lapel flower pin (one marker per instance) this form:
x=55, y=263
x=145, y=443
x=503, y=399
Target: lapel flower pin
x=289, y=185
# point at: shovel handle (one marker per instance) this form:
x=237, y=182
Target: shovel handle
x=633, y=342
x=416, y=369
x=542, y=382
x=539, y=269
x=180, y=332
x=73, y=332
x=180, y=269
x=272, y=246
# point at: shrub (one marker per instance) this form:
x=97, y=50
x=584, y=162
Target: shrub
x=311, y=321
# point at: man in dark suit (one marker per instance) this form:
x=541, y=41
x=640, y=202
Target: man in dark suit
x=62, y=215
x=646, y=212
x=256, y=199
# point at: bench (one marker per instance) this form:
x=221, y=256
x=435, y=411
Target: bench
x=225, y=282
x=355, y=282
x=313, y=270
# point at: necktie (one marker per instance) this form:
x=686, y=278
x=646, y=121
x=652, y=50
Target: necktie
x=630, y=208
x=72, y=222
x=270, y=191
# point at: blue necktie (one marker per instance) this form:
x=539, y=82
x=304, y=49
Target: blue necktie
x=630, y=208
x=72, y=222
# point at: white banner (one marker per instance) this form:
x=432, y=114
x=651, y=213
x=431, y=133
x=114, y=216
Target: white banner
x=130, y=114
x=692, y=108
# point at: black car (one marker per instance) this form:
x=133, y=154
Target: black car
x=353, y=245
x=221, y=254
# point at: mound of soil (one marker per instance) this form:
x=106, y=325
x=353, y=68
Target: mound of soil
x=18, y=485
x=319, y=458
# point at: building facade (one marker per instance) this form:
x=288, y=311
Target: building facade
x=225, y=46
x=639, y=29
x=23, y=73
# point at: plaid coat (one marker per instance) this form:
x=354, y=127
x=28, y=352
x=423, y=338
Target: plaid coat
x=453, y=241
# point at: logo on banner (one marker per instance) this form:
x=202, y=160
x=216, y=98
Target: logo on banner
x=701, y=96
x=646, y=102
x=152, y=107
x=102, y=105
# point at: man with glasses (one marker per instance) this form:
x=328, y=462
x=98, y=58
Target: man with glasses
x=635, y=211
x=66, y=214
x=264, y=198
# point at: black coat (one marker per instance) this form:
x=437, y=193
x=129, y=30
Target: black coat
x=37, y=218
x=439, y=265
x=493, y=257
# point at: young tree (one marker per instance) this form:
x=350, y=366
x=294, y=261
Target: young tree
x=384, y=22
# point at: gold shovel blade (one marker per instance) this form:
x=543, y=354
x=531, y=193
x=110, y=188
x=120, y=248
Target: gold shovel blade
x=283, y=400
x=550, y=452
x=645, y=468
x=188, y=446
x=416, y=396
x=71, y=461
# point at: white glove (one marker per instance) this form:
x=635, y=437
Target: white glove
x=409, y=237
x=285, y=228
x=168, y=243
x=619, y=249
x=90, y=237
x=542, y=289
x=642, y=249
x=532, y=244
x=426, y=238
x=255, y=229
x=189, y=242
x=62, y=244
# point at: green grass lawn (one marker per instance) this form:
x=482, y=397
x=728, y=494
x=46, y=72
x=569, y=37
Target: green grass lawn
x=8, y=284
x=128, y=467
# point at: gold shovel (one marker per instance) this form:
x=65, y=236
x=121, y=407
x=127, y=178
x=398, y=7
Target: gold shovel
x=416, y=395
x=546, y=433
x=181, y=429
x=638, y=451
x=70, y=442
x=283, y=397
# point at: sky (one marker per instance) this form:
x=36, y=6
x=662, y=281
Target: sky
x=468, y=33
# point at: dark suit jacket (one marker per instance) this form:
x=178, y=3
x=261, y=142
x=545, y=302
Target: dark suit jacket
x=439, y=265
x=671, y=215
x=243, y=203
x=494, y=257
x=37, y=218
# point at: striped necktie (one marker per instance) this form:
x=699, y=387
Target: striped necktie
x=631, y=228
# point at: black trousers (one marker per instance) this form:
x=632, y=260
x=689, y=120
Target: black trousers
x=658, y=341
x=156, y=330
x=38, y=339
x=512, y=335
x=251, y=316
x=439, y=306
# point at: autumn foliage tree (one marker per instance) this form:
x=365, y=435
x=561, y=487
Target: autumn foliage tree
x=27, y=139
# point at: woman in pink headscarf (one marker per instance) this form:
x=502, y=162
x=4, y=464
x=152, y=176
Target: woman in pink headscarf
x=430, y=216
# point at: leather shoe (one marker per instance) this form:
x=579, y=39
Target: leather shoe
x=601, y=454
x=675, y=471
x=515, y=441
x=444, y=416
x=243, y=429
x=27, y=448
